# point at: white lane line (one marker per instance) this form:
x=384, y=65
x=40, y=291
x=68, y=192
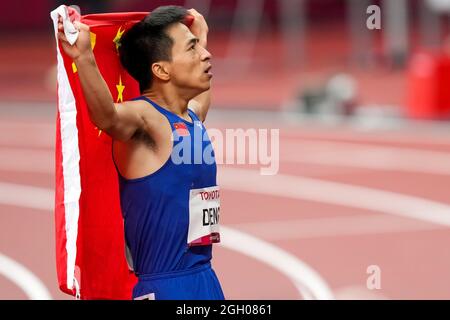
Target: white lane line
x=26, y=196
x=367, y=157
x=308, y=282
x=334, y=226
x=335, y=193
x=23, y=278
x=298, y=188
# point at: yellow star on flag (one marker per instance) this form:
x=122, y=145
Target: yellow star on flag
x=120, y=89
x=116, y=39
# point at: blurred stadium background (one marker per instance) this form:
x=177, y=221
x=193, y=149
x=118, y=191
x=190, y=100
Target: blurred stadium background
x=364, y=142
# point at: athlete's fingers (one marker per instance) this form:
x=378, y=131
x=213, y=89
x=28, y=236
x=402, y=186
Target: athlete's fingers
x=81, y=26
x=62, y=37
x=194, y=12
x=60, y=24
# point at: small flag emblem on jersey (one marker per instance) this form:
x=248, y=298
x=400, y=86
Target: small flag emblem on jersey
x=181, y=129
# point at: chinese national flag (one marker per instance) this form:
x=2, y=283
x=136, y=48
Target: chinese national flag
x=181, y=129
x=90, y=254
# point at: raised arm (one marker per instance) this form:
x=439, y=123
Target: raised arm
x=116, y=120
x=200, y=104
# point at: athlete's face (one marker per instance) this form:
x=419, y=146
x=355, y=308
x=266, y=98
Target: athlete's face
x=189, y=68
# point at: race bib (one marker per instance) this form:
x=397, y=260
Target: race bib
x=204, y=213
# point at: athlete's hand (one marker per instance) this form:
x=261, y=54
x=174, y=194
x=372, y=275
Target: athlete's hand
x=199, y=27
x=83, y=44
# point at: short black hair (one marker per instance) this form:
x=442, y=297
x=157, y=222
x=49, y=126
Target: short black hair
x=147, y=42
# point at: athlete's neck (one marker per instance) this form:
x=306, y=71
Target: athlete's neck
x=169, y=100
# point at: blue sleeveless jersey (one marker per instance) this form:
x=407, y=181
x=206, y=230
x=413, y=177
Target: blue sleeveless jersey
x=155, y=208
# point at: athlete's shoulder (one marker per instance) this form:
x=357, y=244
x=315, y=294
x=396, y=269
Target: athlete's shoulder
x=151, y=116
x=135, y=103
x=138, y=105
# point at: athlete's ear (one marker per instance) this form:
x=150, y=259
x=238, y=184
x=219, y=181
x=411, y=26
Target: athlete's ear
x=161, y=70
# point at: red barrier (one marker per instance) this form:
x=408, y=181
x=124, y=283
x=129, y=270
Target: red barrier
x=429, y=87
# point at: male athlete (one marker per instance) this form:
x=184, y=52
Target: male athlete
x=169, y=200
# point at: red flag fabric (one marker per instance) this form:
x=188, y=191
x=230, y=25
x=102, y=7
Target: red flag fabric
x=90, y=250
x=181, y=129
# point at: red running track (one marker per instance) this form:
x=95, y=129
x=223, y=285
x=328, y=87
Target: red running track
x=338, y=204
